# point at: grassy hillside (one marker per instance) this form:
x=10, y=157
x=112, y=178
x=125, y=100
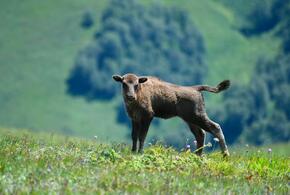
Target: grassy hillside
x=40, y=40
x=43, y=163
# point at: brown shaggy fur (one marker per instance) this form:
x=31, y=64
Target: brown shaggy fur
x=148, y=97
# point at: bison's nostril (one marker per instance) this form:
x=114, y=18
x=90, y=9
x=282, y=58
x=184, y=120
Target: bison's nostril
x=129, y=97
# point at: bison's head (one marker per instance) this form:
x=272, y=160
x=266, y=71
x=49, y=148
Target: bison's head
x=131, y=85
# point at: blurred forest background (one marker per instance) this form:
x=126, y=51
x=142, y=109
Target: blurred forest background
x=57, y=59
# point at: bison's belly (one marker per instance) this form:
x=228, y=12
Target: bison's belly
x=164, y=110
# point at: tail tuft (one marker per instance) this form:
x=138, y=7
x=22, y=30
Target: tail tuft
x=223, y=85
x=220, y=87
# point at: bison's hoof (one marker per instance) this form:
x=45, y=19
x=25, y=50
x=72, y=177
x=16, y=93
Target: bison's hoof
x=141, y=151
x=226, y=153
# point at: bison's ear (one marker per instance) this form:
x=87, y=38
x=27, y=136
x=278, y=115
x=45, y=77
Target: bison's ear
x=117, y=78
x=142, y=79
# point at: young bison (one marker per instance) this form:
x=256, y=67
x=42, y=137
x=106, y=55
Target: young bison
x=148, y=97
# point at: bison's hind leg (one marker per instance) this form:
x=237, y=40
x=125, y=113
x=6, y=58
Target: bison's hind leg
x=214, y=128
x=199, y=136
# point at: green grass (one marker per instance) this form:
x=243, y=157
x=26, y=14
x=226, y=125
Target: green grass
x=49, y=163
x=39, y=41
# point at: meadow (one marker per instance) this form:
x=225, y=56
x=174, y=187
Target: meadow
x=45, y=163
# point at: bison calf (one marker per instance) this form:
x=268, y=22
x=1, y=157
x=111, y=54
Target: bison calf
x=148, y=97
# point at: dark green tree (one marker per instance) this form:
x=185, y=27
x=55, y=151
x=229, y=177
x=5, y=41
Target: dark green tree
x=259, y=113
x=264, y=16
x=154, y=40
x=87, y=20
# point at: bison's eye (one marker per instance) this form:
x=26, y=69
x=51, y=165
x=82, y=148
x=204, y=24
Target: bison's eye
x=125, y=86
x=135, y=87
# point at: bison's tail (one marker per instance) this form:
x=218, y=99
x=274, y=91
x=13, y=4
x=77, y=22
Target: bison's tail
x=220, y=87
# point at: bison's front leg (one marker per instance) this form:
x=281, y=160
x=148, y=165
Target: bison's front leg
x=135, y=135
x=145, y=123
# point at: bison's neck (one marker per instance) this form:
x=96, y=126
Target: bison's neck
x=136, y=104
x=140, y=108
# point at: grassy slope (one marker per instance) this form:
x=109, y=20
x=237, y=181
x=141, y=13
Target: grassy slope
x=38, y=44
x=33, y=163
x=38, y=47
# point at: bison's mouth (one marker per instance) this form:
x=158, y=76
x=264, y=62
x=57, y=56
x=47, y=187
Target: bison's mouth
x=130, y=98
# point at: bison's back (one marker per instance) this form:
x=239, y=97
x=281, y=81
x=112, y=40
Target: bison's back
x=163, y=98
x=169, y=100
